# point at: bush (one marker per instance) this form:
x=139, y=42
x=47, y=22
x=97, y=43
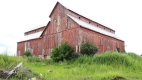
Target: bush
x=62, y=52
x=88, y=48
x=75, y=56
x=27, y=54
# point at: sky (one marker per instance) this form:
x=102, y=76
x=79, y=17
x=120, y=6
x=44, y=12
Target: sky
x=18, y=16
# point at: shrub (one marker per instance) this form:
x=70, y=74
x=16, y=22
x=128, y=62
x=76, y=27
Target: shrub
x=27, y=54
x=62, y=52
x=75, y=56
x=88, y=48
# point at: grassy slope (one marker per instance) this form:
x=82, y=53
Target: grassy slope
x=100, y=67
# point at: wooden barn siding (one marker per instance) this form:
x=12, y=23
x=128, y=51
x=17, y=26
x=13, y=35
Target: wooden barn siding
x=35, y=46
x=104, y=43
x=61, y=29
x=20, y=48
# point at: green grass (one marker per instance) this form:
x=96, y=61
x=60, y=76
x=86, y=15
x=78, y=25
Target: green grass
x=98, y=67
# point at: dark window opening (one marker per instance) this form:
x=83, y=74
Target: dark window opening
x=89, y=22
x=79, y=17
x=118, y=49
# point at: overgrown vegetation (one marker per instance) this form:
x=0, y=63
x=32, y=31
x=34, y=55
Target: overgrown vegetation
x=7, y=62
x=27, y=54
x=62, y=52
x=88, y=48
x=103, y=66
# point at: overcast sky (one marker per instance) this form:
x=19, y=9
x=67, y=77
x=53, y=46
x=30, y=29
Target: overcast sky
x=124, y=16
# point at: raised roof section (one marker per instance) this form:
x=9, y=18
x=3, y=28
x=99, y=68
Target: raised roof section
x=94, y=28
x=90, y=21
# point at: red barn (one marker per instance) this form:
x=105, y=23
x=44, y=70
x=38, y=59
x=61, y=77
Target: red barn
x=67, y=25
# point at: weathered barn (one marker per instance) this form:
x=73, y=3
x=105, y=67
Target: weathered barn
x=67, y=25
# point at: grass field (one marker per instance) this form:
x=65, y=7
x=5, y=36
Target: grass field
x=104, y=66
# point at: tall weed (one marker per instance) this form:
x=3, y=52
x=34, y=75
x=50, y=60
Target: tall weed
x=112, y=58
x=8, y=61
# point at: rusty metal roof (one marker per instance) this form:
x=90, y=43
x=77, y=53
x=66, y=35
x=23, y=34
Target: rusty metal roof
x=94, y=28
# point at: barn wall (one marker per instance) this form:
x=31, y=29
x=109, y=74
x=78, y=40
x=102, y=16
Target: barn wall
x=20, y=48
x=103, y=42
x=35, y=46
x=60, y=29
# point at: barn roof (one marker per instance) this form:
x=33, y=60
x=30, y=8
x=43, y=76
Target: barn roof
x=36, y=27
x=31, y=36
x=92, y=27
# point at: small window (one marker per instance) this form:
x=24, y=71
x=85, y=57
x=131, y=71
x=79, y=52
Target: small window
x=89, y=22
x=79, y=17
